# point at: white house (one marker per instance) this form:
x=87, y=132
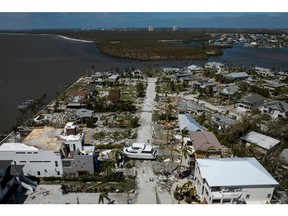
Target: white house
x=275, y=109
x=232, y=180
x=262, y=142
x=216, y=66
x=195, y=68
x=45, y=152
x=264, y=71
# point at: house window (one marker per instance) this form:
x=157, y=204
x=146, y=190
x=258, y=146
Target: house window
x=22, y=161
x=247, y=196
x=66, y=164
x=56, y=163
x=58, y=173
x=38, y=173
x=268, y=195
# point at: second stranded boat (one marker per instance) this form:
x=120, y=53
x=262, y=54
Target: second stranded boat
x=140, y=151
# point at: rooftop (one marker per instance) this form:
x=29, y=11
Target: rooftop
x=234, y=172
x=187, y=121
x=47, y=138
x=16, y=147
x=277, y=105
x=261, y=140
x=253, y=98
x=205, y=141
x=237, y=75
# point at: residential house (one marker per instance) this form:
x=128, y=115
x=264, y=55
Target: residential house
x=205, y=144
x=195, y=69
x=44, y=152
x=273, y=85
x=264, y=71
x=170, y=70
x=188, y=122
x=10, y=184
x=184, y=76
x=85, y=114
x=221, y=121
x=233, y=180
x=190, y=106
x=230, y=90
x=261, y=142
x=237, y=76
x=251, y=101
x=275, y=109
x=215, y=66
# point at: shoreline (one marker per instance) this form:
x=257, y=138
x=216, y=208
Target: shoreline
x=57, y=35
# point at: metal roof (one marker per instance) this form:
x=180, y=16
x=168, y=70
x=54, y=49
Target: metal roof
x=261, y=140
x=187, y=121
x=253, y=98
x=277, y=105
x=237, y=75
x=234, y=172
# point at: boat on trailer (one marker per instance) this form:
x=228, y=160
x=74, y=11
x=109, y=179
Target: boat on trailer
x=140, y=151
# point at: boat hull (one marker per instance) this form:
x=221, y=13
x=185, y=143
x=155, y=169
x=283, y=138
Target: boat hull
x=145, y=156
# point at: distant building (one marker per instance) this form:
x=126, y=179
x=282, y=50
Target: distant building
x=174, y=28
x=273, y=85
x=190, y=106
x=230, y=91
x=150, y=28
x=45, y=152
x=195, y=69
x=222, y=121
x=85, y=114
x=237, y=76
x=215, y=66
x=264, y=71
x=251, y=101
x=233, y=180
x=275, y=109
x=170, y=70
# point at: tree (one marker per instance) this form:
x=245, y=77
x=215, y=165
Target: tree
x=186, y=190
x=102, y=196
x=116, y=136
x=185, y=150
x=140, y=89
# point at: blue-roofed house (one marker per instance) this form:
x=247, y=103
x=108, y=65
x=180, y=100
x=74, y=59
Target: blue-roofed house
x=188, y=122
x=233, y=180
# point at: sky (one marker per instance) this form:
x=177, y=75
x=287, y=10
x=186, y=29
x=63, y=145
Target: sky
x=55, y=20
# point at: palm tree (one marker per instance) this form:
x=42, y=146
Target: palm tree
x=185, y=151
x=102, y=196
x=116, y=136
x=185, y=189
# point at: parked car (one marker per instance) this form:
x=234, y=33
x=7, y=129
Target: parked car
x=185, y=173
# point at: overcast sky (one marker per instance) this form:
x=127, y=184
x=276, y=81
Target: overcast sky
x=124, y=19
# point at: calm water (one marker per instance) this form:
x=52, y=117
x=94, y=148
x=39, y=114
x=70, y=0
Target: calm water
x=33, y=65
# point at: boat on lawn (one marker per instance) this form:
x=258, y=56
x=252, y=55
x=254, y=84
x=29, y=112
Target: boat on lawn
x=140, y=151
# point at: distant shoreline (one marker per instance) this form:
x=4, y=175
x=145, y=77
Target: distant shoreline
x=61, y=36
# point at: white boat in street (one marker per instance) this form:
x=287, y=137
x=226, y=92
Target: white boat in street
x=140, y=151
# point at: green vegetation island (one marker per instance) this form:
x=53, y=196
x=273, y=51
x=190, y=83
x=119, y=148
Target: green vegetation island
x=150, y=45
